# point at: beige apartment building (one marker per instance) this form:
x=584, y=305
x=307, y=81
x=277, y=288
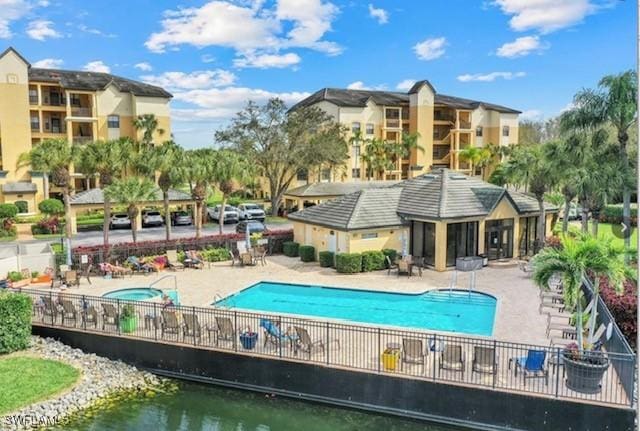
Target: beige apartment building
x=445, y=124
x=78, y=106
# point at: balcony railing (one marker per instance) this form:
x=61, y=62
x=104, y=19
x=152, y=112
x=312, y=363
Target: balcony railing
x=80, y=140
x=465, y=125
x=392, y=123
x=440, y=151
x=35, y=127
x=33, y=100
x=81, y=112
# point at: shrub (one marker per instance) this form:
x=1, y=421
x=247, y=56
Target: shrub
x=22, y=206
x=46, y=226
x=14, y=275
x=307, y=253
x=51, y=206
x=234, y=201
x=373, y=261
x=8, y=211
x=553, y=241
x=326, y=259
x=391, y=253
x=623, y=308
x=348, y=263
x=613, y=214
x=218, y=254
x=290, y=248
x=15, y=321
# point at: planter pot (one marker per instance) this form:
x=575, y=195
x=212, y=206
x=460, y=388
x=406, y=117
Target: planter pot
x=390, y=358
x=585, y=376
x=128, y=324
x=20, y=283
x=248, y=341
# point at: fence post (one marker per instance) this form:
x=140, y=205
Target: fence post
x=85, y=309
x=54, y=309
x=557, y=371
x=235, y=326
x=326, y=348
x=118, y=316
x=495, y=363
x=280, y=338
x=155, y=320
x=195, y=326
x=379, y=357
x=434, y=350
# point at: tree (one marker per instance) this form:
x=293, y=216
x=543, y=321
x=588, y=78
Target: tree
x=378, y=156
x=107, y=159
x=196, y=171
x=227, y=169
x=51, y=207
x=613, y=103
x=281, y=143
x=168, y=159
x=476, y=156
x=132, y=192
x=573, y=262
x=148, y=124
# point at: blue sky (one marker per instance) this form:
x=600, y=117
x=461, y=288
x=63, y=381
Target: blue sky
x=532, y=55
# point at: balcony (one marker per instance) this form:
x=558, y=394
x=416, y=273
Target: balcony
x=440, y=152
x=33, y=100
x=81, y=112
x=464, y=125
x=35, y=127
x=81, y=140
x=392, y=123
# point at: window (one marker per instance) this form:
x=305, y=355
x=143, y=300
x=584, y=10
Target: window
x=479, y=131
x=113, y=122
x=462, y=241
x=325, y=175
x=423, y=241
x=33, y=96
x=75, y=100
x=355, y=173
x=355, y=127
x=505, y=130
x=369, y=235
x=35, y=122
x=303, y=175
x=370, y=129
x=356, y=152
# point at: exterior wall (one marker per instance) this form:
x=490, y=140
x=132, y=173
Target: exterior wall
x=373, y=114
x=421, y=122
x=160, y=108
x=387, y=238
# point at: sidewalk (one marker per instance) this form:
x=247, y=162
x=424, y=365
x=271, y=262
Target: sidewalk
x=24, y=232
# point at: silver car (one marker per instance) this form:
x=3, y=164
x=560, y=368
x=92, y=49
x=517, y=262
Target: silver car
x=121, y=220
x=230, y=214
x=152, y=218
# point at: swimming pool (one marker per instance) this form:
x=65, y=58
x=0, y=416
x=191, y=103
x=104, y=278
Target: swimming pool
x=441, y=310
x=141, y=294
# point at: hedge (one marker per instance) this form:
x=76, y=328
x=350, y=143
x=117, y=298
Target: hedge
x=290, y=249
x=8, y=211
x=15, y=321
x=391, y=253
x=51, y=206
x=373, y=261
x=307, y=253
x=22, y=206
x=623, y=308
x=348, y=263
x=326, y=259
x=218, y=254
x=613, y=214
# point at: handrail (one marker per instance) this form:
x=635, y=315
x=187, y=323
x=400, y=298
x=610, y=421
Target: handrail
x=175, y=281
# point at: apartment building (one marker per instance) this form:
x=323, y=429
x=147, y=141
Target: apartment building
x=445, y=124
x=78, y=106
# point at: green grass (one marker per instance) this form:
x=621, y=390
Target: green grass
x=25, y=380
x=276, y=220
x=90, y=222
x=8, y=238
x=604, y=230
x=57, y=247
x=47, y=236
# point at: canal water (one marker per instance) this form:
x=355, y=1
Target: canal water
x=206, y=408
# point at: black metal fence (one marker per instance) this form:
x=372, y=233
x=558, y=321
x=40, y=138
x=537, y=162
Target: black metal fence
x=481, y=362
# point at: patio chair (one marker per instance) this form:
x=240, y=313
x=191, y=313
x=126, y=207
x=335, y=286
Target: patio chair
x=413, y=352
x=304, y=342
x=404, y=267
x=235, y=257
x=273, y=334
x=418, y=262
x=89, y=316
x=137, y=265
x=223, y=330
x=532, y=365
x=49, y=308
x=69, y=311
x=110, y=315
x=193, y=259
x=170, y=324
x=560, y=323
x=71, y=278
x=192, y=326
x=261, y=255
x=484, y=360
x=452, y=359
x=526, y=267
x=172, y=260
x=390, y=265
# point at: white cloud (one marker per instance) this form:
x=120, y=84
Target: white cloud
x=97, y=66
x=85, y=29
x=405, y=84
x=359, y=85
x=11, y=10
x=250, y=27
x=430, y=49
x=207, y=58
x=490, y=77
x=41, y=29
x=545, y=16
x=144, y=66
x=266, y=61
x=202, y=79
x=532, y=115
x=381, y=15
x=520, y=47
x=49, y=63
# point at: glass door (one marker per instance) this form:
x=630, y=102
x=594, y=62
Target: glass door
x=499, y=239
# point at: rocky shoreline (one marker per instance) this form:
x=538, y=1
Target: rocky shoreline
x=100, y=378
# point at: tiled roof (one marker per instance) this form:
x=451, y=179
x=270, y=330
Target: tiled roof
x=96, y=197
x=336, y=188
x=365, y=209
x=360, y=98
x=19, y=187
x=94, y=81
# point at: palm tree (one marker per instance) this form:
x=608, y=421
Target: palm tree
x=106, y=158
x=573, y=262
x=613, y=103
x=227, y=168
x=476, y=156
x=196, y=171
x=378, y=157
x=148, y=124
x=167, y=159
x=132, y=192
x=54, y=156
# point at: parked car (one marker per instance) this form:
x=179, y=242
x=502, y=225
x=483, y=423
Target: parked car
x=575, y=211
x=120, y=220
x=254, y=226
x=181, y=218
x=251, y=212
x=152, y=218
x=230, y=214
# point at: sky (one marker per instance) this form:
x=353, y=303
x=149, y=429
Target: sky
x=214, y=56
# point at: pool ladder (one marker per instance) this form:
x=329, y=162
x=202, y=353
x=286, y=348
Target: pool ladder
x=217, y=298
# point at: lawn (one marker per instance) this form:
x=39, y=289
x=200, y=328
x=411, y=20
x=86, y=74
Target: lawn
x=276, y=220
x=604, y=230
x=47, y=235
x=25, y=380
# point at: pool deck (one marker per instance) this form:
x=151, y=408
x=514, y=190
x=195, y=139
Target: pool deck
x=517, y=316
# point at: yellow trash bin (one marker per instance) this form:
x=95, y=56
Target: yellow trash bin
x=390, y=359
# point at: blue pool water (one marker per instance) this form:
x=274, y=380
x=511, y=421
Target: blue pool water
x=440, y=310
x=141, y=294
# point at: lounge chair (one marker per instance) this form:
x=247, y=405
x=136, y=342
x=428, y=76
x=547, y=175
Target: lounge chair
x=71, y=278
x=532, y=365
x=49, y=308
x=235, y=256
x=137, y=265
x=110, y=315
x=413, y=352
x=169, y=323
x=223, y=330
x=452, y=358
x=526, y=267
x=390, y=265
x=192, y=326
x=172, y=260
x=418, y=262
x=69, y=311
x=90, y=316
x=562, y=324
x=304, y=342
x=261, y=255
x=484, y=360
x=274, y=335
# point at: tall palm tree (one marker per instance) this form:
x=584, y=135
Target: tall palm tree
x=613, y=103
x=476, y=156
x=379, y=157
x=132, y=192
x=196, y=171
x=148, y=124
x=167, y=159
x=574, y=261
x=107, y=159
x=227, y=168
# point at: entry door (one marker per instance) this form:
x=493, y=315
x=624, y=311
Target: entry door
x=499, y=239
x=55, y=125
x=332, y=242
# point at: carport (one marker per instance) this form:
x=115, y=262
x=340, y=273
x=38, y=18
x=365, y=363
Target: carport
x=93, y=199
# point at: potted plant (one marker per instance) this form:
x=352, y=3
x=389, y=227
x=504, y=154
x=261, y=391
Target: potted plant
x=17, y=279
x=577, y=258
x=128, y=319
x=248, y=339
